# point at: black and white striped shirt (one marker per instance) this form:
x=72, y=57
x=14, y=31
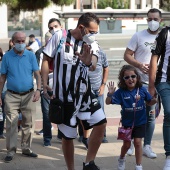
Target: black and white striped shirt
x=163, y=51
x=65, y=62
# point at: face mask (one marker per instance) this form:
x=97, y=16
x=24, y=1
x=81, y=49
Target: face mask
x=153, y=25
x=89, y=38
x=20, y=47
x=54, y=30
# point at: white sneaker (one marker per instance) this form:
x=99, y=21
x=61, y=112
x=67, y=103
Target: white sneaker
x=147, y=151
x=138, y=167
x=131, y=149
x=167, y=164
x=121, y=164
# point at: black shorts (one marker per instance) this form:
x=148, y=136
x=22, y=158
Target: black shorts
x=90, y=113
x=139, y=131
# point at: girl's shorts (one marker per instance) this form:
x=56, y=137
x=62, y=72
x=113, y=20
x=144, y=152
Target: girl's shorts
x=139, y=131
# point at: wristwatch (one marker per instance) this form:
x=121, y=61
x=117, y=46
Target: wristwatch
x=39, y=90
x=104, y=83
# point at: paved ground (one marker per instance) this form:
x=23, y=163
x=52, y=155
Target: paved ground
x=51, y=157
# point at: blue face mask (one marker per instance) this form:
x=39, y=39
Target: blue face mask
x=20, y=47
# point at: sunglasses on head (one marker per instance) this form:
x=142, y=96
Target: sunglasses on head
x=128, y=77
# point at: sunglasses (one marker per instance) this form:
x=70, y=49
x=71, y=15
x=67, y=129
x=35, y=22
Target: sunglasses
x=128, y=77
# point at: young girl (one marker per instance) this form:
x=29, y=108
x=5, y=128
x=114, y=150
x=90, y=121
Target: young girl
x=132, y=97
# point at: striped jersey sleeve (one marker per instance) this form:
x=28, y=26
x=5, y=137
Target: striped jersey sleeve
x=163, y=51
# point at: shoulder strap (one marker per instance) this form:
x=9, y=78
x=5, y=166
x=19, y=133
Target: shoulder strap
x=71, y=84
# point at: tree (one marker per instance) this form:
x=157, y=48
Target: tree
x=165, y=5
x=32, y=5
x=115, y=4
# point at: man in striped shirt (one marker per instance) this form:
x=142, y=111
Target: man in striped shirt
x=159, y=77
x=71, y=85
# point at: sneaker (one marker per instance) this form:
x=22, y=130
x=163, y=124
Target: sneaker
x=85, y=142
x=104, y=140
x=131, y=149
x=47, y=144
x=147, y=151
x=121, y=164
x=8, y=159
x=138, y=167
x=167, y=164
x=2, y=137
x=31, y=154
x=40, y=132
x=90, y=166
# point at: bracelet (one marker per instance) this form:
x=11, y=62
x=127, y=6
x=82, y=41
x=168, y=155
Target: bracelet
x=109, y=95
x=104, y=83
x=39, y=90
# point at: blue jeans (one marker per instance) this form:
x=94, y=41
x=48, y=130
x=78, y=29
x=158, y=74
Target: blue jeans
x=150, y=125
x=163, y=90
x=101, y=101
x=47, y=135
x=4, y=115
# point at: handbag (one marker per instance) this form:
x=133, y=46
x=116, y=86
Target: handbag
x=56, y=111
x=126, y=133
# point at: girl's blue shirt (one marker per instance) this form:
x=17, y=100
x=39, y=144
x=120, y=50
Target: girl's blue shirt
x=127, y=100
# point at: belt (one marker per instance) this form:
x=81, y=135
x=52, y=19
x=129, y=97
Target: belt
x=22, y=93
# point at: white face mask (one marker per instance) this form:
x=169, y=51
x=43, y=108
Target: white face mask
x=54, y=30
x=153, y=25
x=89, y=38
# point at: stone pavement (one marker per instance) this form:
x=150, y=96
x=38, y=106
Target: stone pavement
x=51, y=158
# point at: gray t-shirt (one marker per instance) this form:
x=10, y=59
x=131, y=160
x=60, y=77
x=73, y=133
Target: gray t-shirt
x=142, y=43
x=96, y=76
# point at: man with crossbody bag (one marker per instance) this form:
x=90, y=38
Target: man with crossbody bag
x=79, y=44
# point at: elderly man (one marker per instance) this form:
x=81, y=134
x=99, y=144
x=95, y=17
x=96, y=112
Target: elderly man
x=18, y=66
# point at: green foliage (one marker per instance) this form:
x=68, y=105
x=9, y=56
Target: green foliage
x=13, y=3
x=32, y=5
x=115, y=4
x=165, y=5
x=63, y=2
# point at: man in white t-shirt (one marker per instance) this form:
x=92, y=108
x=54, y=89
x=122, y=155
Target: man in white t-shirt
x=33, y=44
x=140, y=47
